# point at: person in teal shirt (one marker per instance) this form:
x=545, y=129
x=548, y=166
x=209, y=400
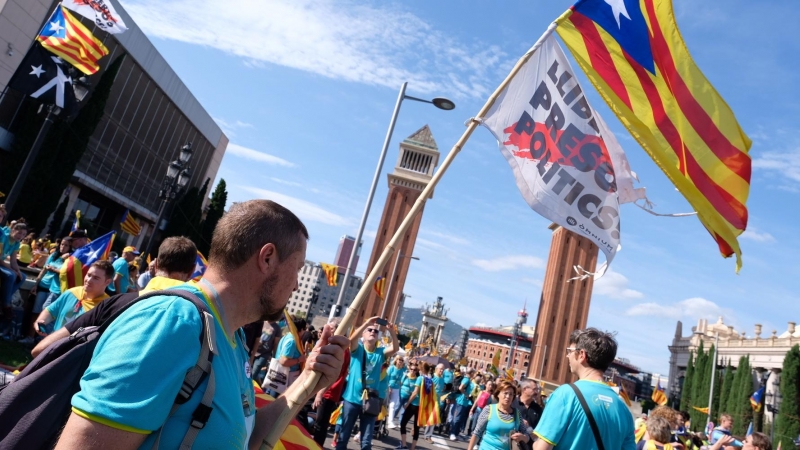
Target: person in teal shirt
x=500, y=423
x=412, y=384
x=122, y=279
x=288, y=354
x=395, y=374
x=564, y=424
x=365, y=368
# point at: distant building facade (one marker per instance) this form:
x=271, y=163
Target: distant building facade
x=484, y=342
x=314, y=299
x=346, y=244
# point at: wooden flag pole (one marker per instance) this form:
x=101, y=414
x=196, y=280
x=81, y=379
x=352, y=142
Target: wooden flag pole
x=299, y=396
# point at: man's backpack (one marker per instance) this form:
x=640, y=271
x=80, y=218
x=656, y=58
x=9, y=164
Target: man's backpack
x=35, y=407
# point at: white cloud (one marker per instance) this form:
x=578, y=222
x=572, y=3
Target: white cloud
x=304, y=209
x=533, y=281
x=453, y=239
x=255, y=155
x=754, y=234
x=373, y=44
x=783, y=163
x=509, y=262
x=230, y=128
x=692, y=308
x=286, y=182
x=615, y=285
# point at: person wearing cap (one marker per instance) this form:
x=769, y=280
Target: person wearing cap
x=79, y=239
x=122, y=276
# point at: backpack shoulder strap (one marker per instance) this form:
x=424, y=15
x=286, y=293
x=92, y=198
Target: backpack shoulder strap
x=589, y=416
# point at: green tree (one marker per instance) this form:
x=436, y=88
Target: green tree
x=686, y=390
x=731, y=404
x=743, y=412
x=705, y=387
x=720, y=375
x=787, y=425
x=700, y=365
x=186, y=216
x=725, y=392
x=215, y=211
x=63, y=148
x=58, y=218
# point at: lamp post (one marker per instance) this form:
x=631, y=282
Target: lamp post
x=80, y=87
x=178, y=176
x=439, y=102
x=391, y=280
x=773, y=403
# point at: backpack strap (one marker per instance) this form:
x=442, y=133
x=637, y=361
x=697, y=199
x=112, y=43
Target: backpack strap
x=589, y=416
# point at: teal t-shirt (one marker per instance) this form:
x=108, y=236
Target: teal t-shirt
x=448, y=376
x=287, y=348
x=439, y=385
x=121, y=268
x=463, y=397
x=63, y=309
x=564, y=424
x=8, y=246
x=395, y=376
x=139, y=365
x=50, y=279
x=407, y=388
x=374, y=360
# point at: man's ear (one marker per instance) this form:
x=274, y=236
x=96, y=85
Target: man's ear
x=268, y=258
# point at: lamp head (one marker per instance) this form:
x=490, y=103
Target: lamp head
x=183, y=178
x=173, y=169
x=186, y=153
x=443, y=103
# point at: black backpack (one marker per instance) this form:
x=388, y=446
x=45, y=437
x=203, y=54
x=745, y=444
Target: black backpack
x=35, y=406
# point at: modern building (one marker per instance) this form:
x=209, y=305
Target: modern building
x=564, y=306
x=343, y=253
x=484, y=342
x=149, y=115
x=766, y=353
x=418, y=157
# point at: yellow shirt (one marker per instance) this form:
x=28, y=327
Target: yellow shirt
x=158, y=283
x=25, y=255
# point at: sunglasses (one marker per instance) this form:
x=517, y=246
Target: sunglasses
x=372, y=330
x=571, y=349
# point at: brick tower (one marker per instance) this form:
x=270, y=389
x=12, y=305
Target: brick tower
x=564, y=306
x=414, y=169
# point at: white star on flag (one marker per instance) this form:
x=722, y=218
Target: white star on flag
x=56, y=27
x=36, y=70
x=618, y=9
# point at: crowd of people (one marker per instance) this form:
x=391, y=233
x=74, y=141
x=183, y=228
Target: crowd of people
x=127, y=395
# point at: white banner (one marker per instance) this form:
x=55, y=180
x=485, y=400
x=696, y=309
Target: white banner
x=554, y=142
x=101, y=12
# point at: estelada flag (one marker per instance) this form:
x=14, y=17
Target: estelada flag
x=77, y=264
x=200, y=266
x=428, y=404
x=129, y=224
x=757, y=399
x=635, y=56
x=331, y=273
x=659, y=397
x=66, y=37
x=380, y=287
x=558, y=149
x=295, y=437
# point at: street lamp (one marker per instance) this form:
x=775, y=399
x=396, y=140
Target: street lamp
x=391, y=280
x=81, y=88
x=439, y=102
x=178, y=176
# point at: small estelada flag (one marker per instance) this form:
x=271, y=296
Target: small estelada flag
x=380, y=287
x=331, y=273
x=44, y=77
x=129, y=224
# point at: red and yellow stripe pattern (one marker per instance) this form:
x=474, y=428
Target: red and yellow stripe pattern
x=295, y=437
x=671, y=109
x=428, y=405
x=66, y=37
x=331, y=273
x=380, y=287
x=129, y=224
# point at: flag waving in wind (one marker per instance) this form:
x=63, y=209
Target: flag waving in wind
x=633, y=53
x=659, y=397
x=76, y=266
x=101, y=12
x=200, y=266
x=129, y=224
x=380, y=287
x=757, y=399
x=46, y=78
x=556, y=145
x=331, y=273
x=66, y=37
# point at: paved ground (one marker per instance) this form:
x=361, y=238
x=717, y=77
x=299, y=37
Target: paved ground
x=393, y=440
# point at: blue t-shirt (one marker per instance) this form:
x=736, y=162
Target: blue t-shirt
x=407, y=388
x=121, y=268
x=564, y=424
x=50, y=279
x=287, y=348
x=463, y=397
x=67, y=308
x=439, y=385
x=448, y=376
x=395, y=376
x=128, y=385
x=374, y=360
x=8, y=246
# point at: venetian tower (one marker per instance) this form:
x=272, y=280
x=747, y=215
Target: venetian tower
x=414, y=169
x=564, y=306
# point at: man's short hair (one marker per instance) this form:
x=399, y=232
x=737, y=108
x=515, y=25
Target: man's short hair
x=250, y=225
x=600, y=347
x=659, y=429
x=105, y=266
x=177, y=254
x=761, y=441
x=299, y=323
x=527, y=383
x=666, y=413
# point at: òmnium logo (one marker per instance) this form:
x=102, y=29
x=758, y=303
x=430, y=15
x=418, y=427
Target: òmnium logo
x=571, y=220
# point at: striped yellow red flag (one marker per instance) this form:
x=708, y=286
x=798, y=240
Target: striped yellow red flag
x=659, y=397
x=635, y=56
x=428, y=404
x=295, y=437
x=331, y=273
x=66, y=37
x=380, y=287
x=129, y=224
x=702, y=410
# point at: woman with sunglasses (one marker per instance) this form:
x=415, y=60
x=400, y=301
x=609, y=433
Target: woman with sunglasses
x=413, y=382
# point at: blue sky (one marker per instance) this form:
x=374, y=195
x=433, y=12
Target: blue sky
x=305, y=91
